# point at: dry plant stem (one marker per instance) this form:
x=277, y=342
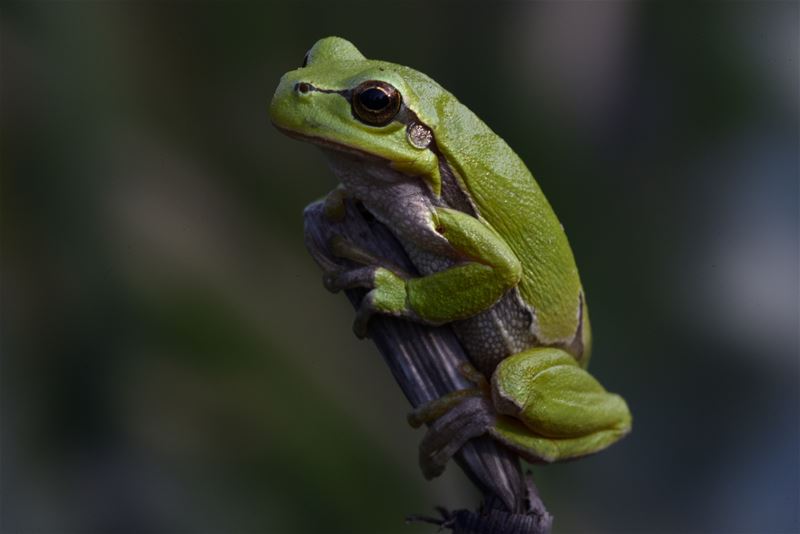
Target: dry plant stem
x=425, y=362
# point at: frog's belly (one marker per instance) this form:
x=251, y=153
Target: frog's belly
x=404, y=205
x=493, y=334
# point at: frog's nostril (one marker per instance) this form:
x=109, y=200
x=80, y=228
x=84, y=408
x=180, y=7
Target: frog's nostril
x=302, y=87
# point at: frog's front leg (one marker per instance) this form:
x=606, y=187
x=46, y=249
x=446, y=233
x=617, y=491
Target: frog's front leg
x=485, y=269
x=385, y=280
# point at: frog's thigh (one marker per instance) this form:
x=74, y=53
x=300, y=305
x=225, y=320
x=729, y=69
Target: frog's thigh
x=557, y=409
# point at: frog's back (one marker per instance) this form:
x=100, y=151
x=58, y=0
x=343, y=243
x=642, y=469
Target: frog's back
x=506, y=196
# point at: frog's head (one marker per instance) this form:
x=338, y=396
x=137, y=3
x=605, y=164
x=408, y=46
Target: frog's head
x=340, y=100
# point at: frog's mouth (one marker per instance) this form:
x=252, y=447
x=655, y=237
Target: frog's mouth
x=327, y=144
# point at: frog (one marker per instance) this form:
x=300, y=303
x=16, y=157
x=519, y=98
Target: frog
x=493, y=260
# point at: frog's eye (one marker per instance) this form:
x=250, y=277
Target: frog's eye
x=376, y=103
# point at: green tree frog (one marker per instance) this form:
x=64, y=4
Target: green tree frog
x=493, y=259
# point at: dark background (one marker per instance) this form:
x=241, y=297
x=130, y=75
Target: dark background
x=171, y=362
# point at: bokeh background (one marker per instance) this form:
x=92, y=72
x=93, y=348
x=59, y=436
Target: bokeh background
x=171, y=362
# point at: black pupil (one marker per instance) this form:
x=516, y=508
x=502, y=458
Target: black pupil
x=374, y=99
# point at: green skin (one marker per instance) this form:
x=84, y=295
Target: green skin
x=486, y=241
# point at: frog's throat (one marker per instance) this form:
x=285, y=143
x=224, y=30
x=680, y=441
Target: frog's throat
x=432, y=179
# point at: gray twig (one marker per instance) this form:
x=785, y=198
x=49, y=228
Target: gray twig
x=425, y=361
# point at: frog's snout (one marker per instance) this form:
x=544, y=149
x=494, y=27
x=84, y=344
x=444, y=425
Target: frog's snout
x=279, y=99
x=290, y=96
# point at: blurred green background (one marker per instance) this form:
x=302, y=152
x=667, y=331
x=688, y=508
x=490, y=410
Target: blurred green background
x=171, y=362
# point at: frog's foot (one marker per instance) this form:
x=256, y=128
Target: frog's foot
x=360, y=277
x=433, y=410
x=469, y=418
x=387, y=295
x=446, y=521
x=454, y=418
x=386, y=284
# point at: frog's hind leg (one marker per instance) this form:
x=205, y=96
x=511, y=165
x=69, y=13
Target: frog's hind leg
x=557, y=410
x=540, y=402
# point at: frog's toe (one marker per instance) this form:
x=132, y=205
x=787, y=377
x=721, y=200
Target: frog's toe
x=365, y=312
x=445, y=521
x=334, y=207
x=431, y=411
x=360, y=277
x=468, y=419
